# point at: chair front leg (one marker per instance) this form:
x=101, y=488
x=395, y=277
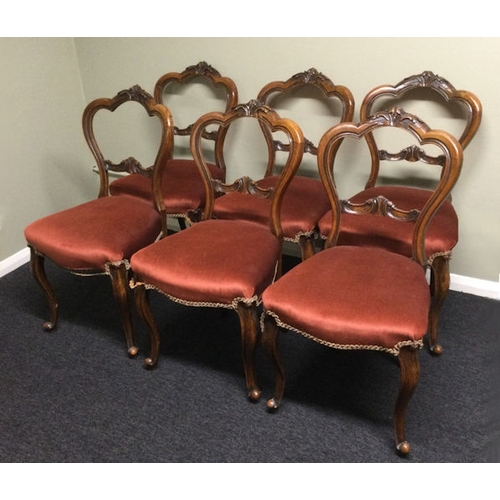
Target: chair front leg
x=144, y=310
x=119, y=281
x=270, y=343
x=250, y=336
x=410, y=372
x=440, y=284
x=37, y=265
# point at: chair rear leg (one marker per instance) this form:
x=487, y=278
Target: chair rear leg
x=119, y=280
x=440, y=284
x=250, y=336
x=37, y=265
x=144, y=309
x=410, y=372
x=307, y=247
x=182, y=223
x=270, y=343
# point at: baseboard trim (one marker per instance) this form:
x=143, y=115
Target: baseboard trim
x=474, y=286
x=14, y=261
x=458, y=283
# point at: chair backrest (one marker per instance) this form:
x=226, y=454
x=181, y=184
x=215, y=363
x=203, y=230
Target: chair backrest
x=412, y=89
x=419, y=136
x=307, y=86
x=268, y=119
x=129, y=164
x=221, y=89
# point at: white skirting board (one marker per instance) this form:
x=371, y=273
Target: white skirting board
x=14, y=261
x=474, y=286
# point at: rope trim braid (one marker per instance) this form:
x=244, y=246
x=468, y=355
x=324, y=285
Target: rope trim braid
x=117, y=263
x=233, y=305
x=446, y=254
x=417, y=344
x=296, y=238
x=176, y=216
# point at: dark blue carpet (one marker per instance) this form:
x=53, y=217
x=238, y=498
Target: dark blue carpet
x=73, y=395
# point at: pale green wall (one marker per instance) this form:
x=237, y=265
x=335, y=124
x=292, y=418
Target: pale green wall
x=45, y=164
x=51, y=147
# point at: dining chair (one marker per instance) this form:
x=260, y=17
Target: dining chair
x=196, y=90
x=99, y=236
x=415, y=187
x=219, y=263
x=306, y=200
x=353, y=298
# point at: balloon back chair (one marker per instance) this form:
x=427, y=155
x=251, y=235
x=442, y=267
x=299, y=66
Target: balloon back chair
x=100, y=236
x=364, y=298
x=193, y=92
x=443, y=232
x=306, y=200
x=216, y=262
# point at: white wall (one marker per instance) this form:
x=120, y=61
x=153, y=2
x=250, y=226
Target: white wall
x=45, y=163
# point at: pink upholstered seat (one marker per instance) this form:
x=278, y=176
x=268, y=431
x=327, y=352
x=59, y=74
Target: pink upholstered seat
x=299, y=215
x=328, y=297
x=188, y=266
x=100, y=236
x=182, y=185
x=442, y=234
x=93, y=235
x=365, y=296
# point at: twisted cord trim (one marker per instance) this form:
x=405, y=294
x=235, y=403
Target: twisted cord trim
x=233, y=305
x=446, y=254
x=296, y=238
x=417, y=344
x=430, y=259
x=117, y=263
x=182, y=216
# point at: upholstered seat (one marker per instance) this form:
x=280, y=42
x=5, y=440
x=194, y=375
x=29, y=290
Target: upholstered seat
x=356, y=313
x=182, y=186
x=82, y=238
x=189, y=268
x=389, y=234
x=301, y=215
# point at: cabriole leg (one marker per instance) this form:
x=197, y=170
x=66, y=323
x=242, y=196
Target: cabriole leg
x=440, y=284
x=307, y=248
x=119, y=281
x=250, y=335
x=410, y=372
x=270, y=343
x=37, y=264
x=144, y=309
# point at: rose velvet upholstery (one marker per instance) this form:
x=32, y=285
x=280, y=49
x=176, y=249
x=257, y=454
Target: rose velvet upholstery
x=216, y=262
x=389, y=234
x=183, y=189
x=95, y=234
x=195, y=272
x=352, y=297
x=100, y=236
x=305, y=200
x=443, y=232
